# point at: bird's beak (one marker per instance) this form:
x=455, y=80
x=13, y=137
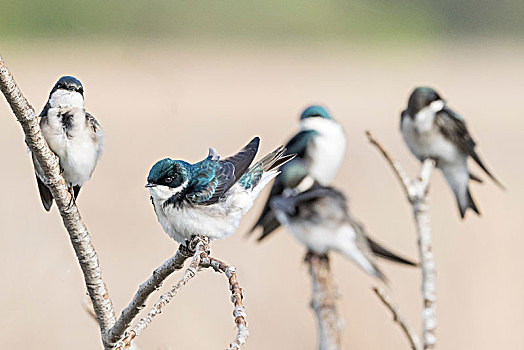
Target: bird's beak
x=149, y=184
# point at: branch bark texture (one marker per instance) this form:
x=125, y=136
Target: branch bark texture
x=417, y=192
x=324, y=303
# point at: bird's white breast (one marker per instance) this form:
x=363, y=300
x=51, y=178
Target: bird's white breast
x=77, y=148
x=326, y=151
x=217, y=220
x=424, y=138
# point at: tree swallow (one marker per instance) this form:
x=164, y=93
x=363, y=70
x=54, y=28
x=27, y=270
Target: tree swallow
x=319, y=219
x=320, y=145
x=72, y=134
x=210, y=197
x=433, y=130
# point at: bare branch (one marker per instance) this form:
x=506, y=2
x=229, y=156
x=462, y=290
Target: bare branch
x=413, y=339
x=80, y=239
x=236, y=297
x=427, y=259
x=201, y=259
x=176, y=262
x=418, y=197
x=324, y=303
x=401, y=175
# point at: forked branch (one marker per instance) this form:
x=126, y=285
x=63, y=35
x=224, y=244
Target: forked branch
x=417, y=194
x=201, y=259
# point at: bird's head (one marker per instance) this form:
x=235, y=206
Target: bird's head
x=168, y=177
x=67, y=92
x=315, y=112
x=423, y=97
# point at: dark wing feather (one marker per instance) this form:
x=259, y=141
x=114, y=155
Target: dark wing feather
x=383, y=252
x=453, y=127
x=297, y=145
x=208, y=189
x=95, y=125
x=243, y=159
x=45, y=194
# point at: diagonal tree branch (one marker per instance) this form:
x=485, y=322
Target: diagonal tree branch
x=413, y=339
x=176, y=262
x=324, y=302
x=80, y=239
x=417, y=193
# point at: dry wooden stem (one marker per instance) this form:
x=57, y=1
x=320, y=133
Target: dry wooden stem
x=398, y=318
x=200, y=260
x=80, y=239
x=324, y=303
x=417, y=193
x=176, y=262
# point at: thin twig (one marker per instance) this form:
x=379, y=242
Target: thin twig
x=201, y=259
x=401, y=175
x=413, y=339
x=237, y=296
x=80, y=239
x=164, y=299
x=418, y=195
x=324, y=303
x=176, y=262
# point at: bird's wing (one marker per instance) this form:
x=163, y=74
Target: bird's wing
x=98, y=136
x=297, y=145
x=45, y=194
x=243, y=159
x=211, y=179
x=453, y=127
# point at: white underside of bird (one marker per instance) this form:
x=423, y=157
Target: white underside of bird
x=329, y=236
x=326, y=151
x=217, y=220
x=424, y=139
x=78, y=148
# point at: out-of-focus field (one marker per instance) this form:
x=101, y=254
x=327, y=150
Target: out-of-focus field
x=176, y=101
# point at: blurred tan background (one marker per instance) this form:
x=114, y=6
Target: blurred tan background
x=158, y=97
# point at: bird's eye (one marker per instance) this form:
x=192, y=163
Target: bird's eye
x=168, y=179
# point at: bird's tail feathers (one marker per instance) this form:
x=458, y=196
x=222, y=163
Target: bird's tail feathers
x=274, y=159
x=469, y=203
x=477, y=159
x=384, y=253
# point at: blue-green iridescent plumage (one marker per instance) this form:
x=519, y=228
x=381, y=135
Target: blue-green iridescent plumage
x=315, y=111
x=208, y=180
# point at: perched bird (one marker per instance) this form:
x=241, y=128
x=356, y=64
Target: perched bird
x=432, y=130
x=319, y=218
x=73, y=135
x=320, y=145
x=210, y=197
